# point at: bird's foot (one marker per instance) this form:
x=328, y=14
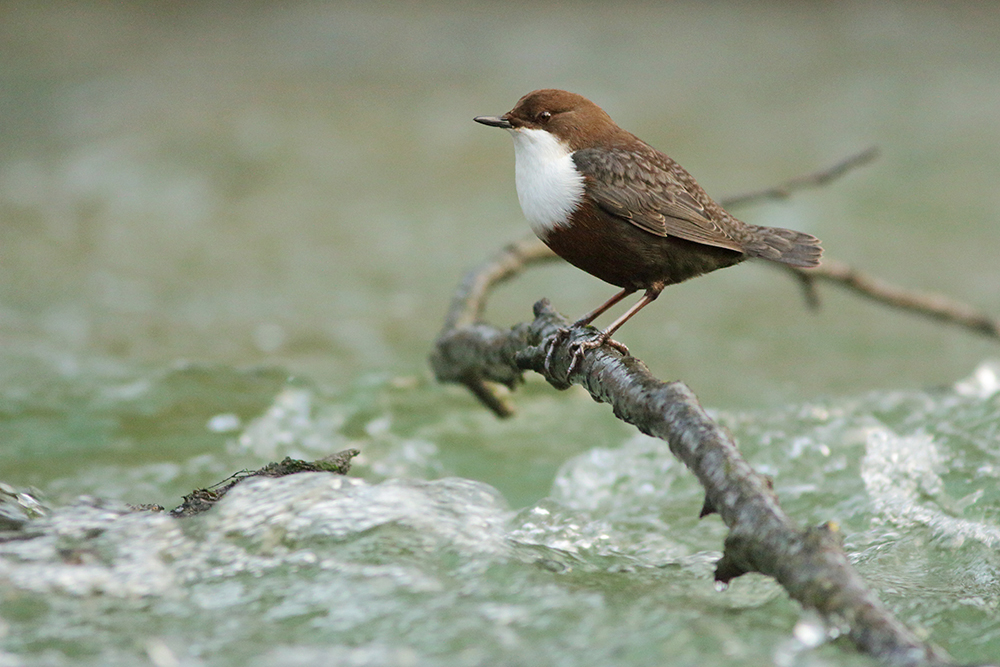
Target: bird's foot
x=579, y=349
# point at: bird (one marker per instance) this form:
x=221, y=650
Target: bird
x=617, y=208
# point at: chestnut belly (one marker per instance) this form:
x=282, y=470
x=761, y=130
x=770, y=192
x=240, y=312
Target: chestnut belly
x=618, y=252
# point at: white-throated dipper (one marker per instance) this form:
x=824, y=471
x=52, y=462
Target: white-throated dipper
x=611, y=204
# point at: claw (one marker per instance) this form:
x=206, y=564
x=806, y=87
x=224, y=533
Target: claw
x=618, y=346
x=578, y=349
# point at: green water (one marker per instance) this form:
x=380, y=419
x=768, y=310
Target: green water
x=230, y=233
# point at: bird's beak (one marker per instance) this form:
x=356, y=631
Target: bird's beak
x=494, y=121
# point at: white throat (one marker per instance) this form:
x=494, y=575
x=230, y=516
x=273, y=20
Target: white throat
x=549, y=186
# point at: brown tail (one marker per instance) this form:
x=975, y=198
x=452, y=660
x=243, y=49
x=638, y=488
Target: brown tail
x=784, y=245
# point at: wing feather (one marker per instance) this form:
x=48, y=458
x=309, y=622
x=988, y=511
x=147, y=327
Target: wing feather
x=652, y=192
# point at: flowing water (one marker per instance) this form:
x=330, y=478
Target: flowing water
x=230, y=233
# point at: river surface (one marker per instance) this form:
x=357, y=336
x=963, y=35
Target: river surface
x=229, y=233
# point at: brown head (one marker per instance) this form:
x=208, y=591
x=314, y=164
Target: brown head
x=572, y=118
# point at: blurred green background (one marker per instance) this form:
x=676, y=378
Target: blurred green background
x=229, y=232
x=301, y=184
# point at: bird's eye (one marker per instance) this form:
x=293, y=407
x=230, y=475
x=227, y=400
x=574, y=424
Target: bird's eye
x=543, y=116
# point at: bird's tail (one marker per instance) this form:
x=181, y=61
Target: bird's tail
x=783, y=245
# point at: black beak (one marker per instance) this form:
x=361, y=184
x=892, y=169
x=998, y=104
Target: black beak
x=494, y=121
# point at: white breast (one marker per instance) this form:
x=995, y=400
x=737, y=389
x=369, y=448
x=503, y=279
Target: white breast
x=548, y=185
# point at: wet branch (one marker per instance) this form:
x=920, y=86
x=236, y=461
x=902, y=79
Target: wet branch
x=810, y=564
x=202, y=500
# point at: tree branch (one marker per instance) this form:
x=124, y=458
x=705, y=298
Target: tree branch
x=810, y=564
x=815, y=179
x=456, y=361
x=934, y=306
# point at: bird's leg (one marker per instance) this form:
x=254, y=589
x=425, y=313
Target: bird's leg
x=563, y=333
x=578, y=349
x=603, y=308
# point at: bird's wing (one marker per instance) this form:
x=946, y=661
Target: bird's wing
x=651, y=191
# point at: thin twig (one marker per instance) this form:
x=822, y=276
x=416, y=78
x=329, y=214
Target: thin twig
x=813, y=180
x=934, y=306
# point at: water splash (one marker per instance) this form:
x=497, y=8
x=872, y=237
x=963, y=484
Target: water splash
x=983, y=383
x=903, y=479
x=614, y=559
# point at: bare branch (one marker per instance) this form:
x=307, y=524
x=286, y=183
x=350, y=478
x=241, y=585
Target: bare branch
x=816, y=179
x=470, y=298
x=202, y=500
x=450, y=358
x=935, y=306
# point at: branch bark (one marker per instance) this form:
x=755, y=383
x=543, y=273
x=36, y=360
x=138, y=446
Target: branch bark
x=202, y=500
